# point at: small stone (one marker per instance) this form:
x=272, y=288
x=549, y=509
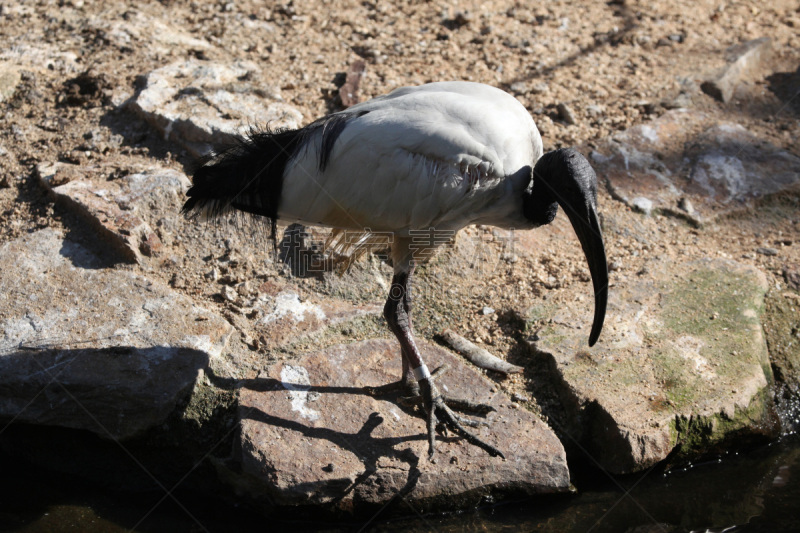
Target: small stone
x=566, y=113
x=228, y=293
x=521, y=398
x=682, y=101
x=595, y=110
x=519, y=87
x=745, y=59
x=348, y=93
x=646, y=106
x=643, y=205
x=462, y=18
x=244, y=288
x=487, y=310
x=792, y=276
x=685, y=204
x=540, y=88
x=767, y=251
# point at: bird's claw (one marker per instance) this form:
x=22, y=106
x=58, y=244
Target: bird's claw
x=439, y=414
x=458, y=404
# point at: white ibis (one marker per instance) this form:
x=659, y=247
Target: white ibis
x=437, y=157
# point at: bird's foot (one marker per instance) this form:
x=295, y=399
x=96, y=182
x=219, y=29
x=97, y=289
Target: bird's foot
x=416, y=399
x=440, y=415
x=405, y=386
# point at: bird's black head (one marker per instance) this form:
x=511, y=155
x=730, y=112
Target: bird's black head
x=561, y=177
x=564, y=177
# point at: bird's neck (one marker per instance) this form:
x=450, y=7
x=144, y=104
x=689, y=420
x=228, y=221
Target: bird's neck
x=539, y=205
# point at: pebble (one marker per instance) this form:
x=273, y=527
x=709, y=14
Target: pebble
x=487, y=310
x=540, y=88
x=683, y=100
x=229, y=294
x=747, y=58
x=642, y=204
x=462, y=18
x=519, y=87
x=566, y=113
x=767, y=251
x=686, y=205
x=595, y=110
x=792, y=276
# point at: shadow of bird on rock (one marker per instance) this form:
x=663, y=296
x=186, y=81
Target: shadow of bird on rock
x=366, y=447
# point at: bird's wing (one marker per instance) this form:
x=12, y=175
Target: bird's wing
x=441, y=155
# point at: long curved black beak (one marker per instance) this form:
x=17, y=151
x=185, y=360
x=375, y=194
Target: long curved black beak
x=566, y=178
x=587, y=228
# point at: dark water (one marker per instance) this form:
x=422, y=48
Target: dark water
x=757, y=491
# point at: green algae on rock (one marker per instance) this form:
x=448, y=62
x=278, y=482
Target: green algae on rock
x=682, y=366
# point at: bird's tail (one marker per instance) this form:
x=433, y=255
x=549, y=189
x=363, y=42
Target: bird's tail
x=247, y=176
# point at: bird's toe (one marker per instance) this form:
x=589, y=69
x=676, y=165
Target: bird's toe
x=440, y=415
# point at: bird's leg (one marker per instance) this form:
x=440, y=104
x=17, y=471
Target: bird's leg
x=404, y=290
x=399, y=297
x=408, y=380
x=407, y=383
x=397, y=313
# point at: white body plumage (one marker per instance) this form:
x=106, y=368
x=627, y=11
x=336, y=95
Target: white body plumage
x=442, y=155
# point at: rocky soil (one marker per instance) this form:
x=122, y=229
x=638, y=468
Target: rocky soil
x=120, y=318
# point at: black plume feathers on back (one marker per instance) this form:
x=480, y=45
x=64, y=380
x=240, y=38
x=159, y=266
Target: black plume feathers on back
x=248, y=175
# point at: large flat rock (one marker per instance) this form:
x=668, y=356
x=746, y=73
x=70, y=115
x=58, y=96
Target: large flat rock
x=200, y=104
x=284, y=317
x=123, y=209
x=686, y=155
x=90, y=347
x=681, y=365
x=310, y=434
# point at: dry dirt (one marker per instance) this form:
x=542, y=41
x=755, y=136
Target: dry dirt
x=615, y=64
